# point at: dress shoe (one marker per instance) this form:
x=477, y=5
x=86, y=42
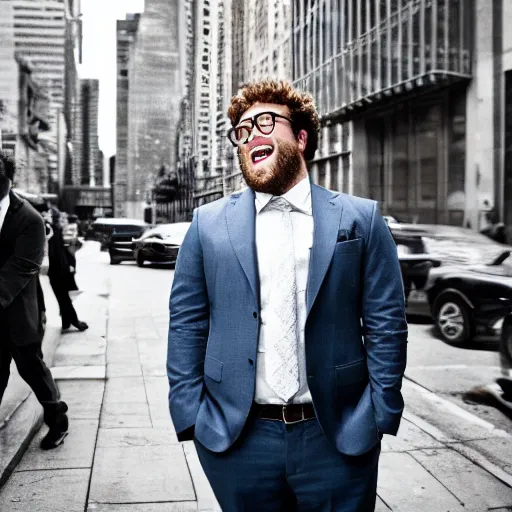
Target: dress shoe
x=81, y=326
x=55, y=417
x=53, y=439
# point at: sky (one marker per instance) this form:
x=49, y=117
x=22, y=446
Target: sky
x=99, y=58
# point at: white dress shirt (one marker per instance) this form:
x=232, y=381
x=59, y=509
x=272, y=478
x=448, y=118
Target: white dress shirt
x=4, y=206
x=302, y=224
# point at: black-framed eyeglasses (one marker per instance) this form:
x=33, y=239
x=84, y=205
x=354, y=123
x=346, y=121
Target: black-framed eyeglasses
x=264, y=121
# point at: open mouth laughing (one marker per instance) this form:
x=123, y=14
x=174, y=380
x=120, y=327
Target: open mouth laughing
x=260, y=153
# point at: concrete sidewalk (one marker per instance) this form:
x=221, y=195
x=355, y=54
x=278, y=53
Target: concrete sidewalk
x=122, y=454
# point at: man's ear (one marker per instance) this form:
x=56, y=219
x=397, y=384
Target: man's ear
x=302, y=140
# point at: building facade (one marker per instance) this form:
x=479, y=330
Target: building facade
x=89, y=145
x=153, y=102
x=268, y=43
x=504, y=106
x=126, y=32
x=202, y=113
x=70, y=160
x=27, y=117
x=412, y=97
x=40, y=36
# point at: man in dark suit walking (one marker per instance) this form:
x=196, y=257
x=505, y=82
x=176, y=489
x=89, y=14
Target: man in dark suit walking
x=287, y=332
x=22, y=239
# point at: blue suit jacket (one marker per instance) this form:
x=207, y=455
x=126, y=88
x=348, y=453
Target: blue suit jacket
x=355, y=334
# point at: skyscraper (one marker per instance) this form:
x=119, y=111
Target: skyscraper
x=8, y=71
x=89, y=96
x=44, y=33
x=267, y=27
x=126, y=34
x=154, y=100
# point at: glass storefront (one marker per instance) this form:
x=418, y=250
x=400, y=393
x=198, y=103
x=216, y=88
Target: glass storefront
x=416, y=159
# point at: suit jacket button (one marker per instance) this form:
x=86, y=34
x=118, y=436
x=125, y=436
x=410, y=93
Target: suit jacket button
x=255, y=315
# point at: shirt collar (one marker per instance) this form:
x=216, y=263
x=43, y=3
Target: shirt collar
x=299, y=197
x=5, y=203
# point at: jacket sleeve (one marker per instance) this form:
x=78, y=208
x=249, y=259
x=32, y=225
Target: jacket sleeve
x=384, y=324
x=189, y=313
x=24, y=263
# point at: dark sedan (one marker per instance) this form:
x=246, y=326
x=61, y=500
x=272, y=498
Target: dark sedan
x=160, y=244
x=116, y=235
x=460, y=278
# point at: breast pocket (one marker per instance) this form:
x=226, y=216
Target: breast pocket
x=354, y=246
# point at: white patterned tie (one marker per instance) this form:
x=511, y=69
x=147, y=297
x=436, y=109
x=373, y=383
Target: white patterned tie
x=282, y=372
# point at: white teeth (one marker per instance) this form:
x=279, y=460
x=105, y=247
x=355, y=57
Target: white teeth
x=260, y=148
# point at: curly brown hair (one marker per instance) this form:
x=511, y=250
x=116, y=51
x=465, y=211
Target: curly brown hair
x=301, y=105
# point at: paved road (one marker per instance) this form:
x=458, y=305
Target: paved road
x=450, y=371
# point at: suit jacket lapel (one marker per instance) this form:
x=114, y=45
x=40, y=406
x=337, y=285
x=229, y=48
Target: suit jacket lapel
x=327, y=212
x=241, y=218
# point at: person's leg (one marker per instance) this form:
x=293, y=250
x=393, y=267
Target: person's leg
x=67, y=311
x=250, y=476
x=33, y=370
x=5, y=368
x=325, y=480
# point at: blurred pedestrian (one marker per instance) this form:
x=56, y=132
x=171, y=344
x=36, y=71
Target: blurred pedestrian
x=61, y=271
x=287, y=330
x=22, y=240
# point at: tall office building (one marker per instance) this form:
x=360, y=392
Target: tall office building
x=89, y=101
x=8, y=72
x=154, y=100
x=24, y=106
x=201, y=109
x=43, y=32
x=39, y=35
x=126, y=34
x=268, y=47
x=237, y=43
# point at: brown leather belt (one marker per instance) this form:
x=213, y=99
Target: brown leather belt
x=292, y=413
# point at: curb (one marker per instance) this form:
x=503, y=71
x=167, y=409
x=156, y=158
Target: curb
x=20, y=427
x=25, y=421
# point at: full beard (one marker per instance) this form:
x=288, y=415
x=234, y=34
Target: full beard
x=273, y=179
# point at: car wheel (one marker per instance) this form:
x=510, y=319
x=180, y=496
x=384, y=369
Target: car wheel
x=140, y=260
x=453, y=319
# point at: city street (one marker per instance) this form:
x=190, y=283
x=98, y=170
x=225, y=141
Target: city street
x=122, y=455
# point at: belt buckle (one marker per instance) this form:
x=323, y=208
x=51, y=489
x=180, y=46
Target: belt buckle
x=283, y=412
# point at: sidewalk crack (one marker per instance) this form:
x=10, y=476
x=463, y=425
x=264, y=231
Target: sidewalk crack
x=437, y=479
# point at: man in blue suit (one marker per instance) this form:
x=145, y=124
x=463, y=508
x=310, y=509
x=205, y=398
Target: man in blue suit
x=287, y=333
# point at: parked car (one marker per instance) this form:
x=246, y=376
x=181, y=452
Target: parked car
x=460, y=278
x=116, y=235
x=102, y=228
x=160, y=244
